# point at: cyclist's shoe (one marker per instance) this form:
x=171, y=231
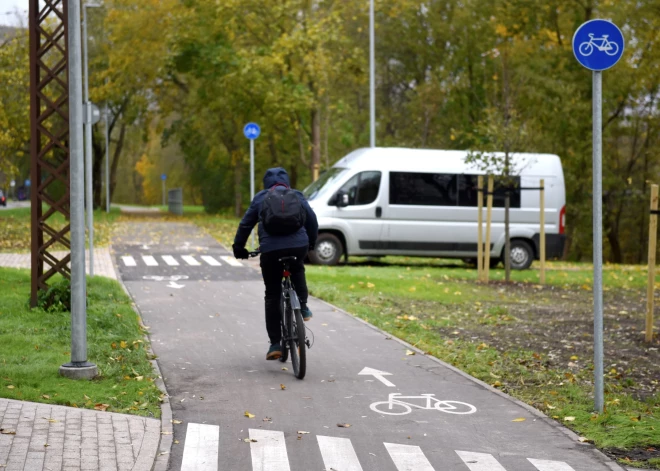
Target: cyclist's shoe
x=306, y=313
x=274, y=352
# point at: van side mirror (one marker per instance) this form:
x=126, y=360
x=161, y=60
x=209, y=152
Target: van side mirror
x=342, y=199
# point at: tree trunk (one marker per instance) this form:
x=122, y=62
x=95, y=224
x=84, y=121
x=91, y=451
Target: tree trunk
x=316, y=144
x=507, y=239
x=238, y=186
x=97, y=171
x=115, y=159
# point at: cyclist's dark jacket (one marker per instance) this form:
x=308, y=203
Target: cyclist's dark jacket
x=267, y=243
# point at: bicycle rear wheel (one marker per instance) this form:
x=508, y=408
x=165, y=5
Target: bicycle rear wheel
x=296, y=327
x=285, y=332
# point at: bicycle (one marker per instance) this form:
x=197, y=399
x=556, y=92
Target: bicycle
x=431, y=403
x=294, y=341
x=608, y=47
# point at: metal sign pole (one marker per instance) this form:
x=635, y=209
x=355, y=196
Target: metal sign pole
x=252, y=179
x=598, y=236
x=88, y=150
x=107, y=159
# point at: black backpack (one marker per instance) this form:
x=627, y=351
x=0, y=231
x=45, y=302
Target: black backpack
x=282, y=212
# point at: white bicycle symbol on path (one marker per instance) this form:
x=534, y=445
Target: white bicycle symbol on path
x=396, y=406
x=602, y=44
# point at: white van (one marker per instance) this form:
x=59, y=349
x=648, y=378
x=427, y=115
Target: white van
x=415, y=202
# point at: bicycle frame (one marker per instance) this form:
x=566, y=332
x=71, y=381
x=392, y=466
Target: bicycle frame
x=395, y=398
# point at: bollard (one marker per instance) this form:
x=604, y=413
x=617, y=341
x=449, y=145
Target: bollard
x=542, y=241
x=480, y=225
x=489, y=218
x=650, y=292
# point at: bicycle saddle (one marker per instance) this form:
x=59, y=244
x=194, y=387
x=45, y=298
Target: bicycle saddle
x=288, y=259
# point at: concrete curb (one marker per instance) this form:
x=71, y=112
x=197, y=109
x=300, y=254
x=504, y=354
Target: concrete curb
x=162, y=458
x=572, y=435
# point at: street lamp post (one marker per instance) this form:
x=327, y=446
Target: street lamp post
x=78, y=367
x=372, y=76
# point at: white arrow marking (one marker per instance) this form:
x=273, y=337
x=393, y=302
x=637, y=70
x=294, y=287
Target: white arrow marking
x=378, y=375
x=174, y=284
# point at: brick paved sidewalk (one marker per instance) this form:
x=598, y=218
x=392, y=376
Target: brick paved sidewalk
x=43, y=437
x=102, y=261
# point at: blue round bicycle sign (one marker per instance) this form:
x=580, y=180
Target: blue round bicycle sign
x=251, y=130
x=598, y=44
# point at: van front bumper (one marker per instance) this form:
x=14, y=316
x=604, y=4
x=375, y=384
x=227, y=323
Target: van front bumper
x=554, y=245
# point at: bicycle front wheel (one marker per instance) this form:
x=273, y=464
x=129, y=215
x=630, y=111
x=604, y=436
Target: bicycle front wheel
x=297, y=343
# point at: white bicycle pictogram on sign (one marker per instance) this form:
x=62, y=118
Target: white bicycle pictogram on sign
x=602, y=44
x=395, y=405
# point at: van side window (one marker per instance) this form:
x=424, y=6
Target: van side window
x=467, y=192
x=361, y=189
x=423, y=189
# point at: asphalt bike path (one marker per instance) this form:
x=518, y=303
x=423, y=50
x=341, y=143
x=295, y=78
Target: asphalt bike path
x=366, y=403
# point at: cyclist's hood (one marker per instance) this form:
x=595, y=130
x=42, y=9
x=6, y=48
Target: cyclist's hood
x=274, y=176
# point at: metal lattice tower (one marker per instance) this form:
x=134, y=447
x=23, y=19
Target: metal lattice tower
x=49, y=143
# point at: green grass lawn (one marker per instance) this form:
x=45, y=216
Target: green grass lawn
x=36, y=343
x=15, y=228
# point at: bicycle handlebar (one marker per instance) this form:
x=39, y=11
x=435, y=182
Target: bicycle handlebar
x=256, y=253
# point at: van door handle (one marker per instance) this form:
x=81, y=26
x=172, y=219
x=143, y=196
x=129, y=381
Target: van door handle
x=379, y=211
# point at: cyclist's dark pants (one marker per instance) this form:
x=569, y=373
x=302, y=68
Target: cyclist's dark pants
x=271, y=270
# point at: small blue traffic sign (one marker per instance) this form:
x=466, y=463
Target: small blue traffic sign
x=163, y=177
x=598, y=44
x=252, y=130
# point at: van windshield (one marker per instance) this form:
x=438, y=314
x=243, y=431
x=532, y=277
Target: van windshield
x=326, y=178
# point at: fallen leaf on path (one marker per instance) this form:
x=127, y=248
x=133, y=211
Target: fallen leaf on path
x=519, y=419
x=300, y=432
x=52, y=421
x=282, y=387
x=409, y=352
x=285, y=368
x=101, y=407
x=166, y=433
x=343, y=425
x=7, y=432
x=248, y=440
x=174, y=421
x=267, y=419
x=249, y=416
x=585, y=440
x=176, y=442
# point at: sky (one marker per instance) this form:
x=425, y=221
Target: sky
x=8, y=11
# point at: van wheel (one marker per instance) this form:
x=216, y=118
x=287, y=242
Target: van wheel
x=522, y=255
x=328, y=250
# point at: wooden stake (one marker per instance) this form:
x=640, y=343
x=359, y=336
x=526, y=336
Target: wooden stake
x=489, y=217
x=542, y=241
x=480, y=226
x=650, y=292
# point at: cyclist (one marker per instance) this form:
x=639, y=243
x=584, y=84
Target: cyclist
x=294, y=236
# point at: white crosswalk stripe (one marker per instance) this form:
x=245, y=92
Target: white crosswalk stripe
x=190, y=260
x=480, y=461
x=150, y=261
x=546, y=465
x=201, y=450
x=338, y=453
x=232, y=261
x=211, y=261
x=269, y=451
x=129, y=261
x=171, y=261
x=408, y=457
